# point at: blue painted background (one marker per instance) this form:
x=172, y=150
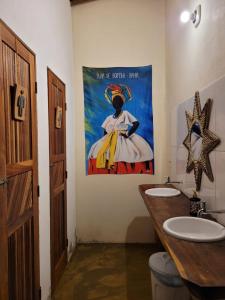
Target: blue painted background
x=97, y=108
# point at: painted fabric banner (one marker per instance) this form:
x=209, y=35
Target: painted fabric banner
x=118, y=120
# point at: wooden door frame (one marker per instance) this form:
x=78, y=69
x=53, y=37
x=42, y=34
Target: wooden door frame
x=53, y=281
x=3, y=198
x=12, y=39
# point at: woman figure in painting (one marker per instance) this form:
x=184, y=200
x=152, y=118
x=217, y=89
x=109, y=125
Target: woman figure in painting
x=119, y=143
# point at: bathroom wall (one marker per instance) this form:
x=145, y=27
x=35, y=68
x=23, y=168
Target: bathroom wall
x=110, y=33
x=196, y=61
x=45, y=26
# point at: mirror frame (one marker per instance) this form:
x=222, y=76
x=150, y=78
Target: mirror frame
x=209, y=141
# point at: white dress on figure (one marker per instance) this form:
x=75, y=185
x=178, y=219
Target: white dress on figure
x=132, y=149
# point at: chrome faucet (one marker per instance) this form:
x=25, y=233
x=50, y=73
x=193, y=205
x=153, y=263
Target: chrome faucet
x=203, y=211
x=168, y=181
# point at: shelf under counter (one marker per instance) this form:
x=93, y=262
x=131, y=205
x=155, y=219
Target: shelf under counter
x=201, y=265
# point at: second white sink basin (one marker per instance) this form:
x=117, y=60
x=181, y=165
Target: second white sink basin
x=194, y=229
x=162, y=192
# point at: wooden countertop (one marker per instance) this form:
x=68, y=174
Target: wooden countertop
x=202, y=264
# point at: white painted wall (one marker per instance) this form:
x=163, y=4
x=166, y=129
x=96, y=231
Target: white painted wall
x=195, y=56
x=45, y=26
x=111, y=33
x=196, y=62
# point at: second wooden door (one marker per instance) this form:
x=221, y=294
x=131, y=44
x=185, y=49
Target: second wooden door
x=58, y=174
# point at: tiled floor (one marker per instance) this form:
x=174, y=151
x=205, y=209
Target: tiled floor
x=107, y=272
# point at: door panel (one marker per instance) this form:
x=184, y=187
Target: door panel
x=18, y=155
x=21, y=263
x=57, y=173
x=59, y=240
x=57, y=150
x=20, y=198
x=16, y=71
x=56, y=94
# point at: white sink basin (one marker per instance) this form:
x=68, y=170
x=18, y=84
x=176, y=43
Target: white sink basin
x=162, y=192
x=194, y=229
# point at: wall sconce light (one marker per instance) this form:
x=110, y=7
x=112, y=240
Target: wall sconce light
x=195, y=17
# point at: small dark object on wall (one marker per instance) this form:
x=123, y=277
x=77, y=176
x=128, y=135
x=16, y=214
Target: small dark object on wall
x=75, y=2
x=194, y=205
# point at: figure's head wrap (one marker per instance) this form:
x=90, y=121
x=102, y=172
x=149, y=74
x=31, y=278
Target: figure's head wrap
x=121, y=90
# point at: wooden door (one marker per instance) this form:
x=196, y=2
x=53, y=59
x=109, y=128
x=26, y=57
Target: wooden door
x=19, y=238
x=57, y=151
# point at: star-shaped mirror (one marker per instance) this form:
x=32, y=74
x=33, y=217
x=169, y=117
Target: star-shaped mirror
x=200, y=141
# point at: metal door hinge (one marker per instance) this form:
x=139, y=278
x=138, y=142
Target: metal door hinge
x=65, y=106
x=3, y=181
x=66, y=174
x=35, y=87
x=38, y=190
x=39, y=292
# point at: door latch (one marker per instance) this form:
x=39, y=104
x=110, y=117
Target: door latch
x=3, y=181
